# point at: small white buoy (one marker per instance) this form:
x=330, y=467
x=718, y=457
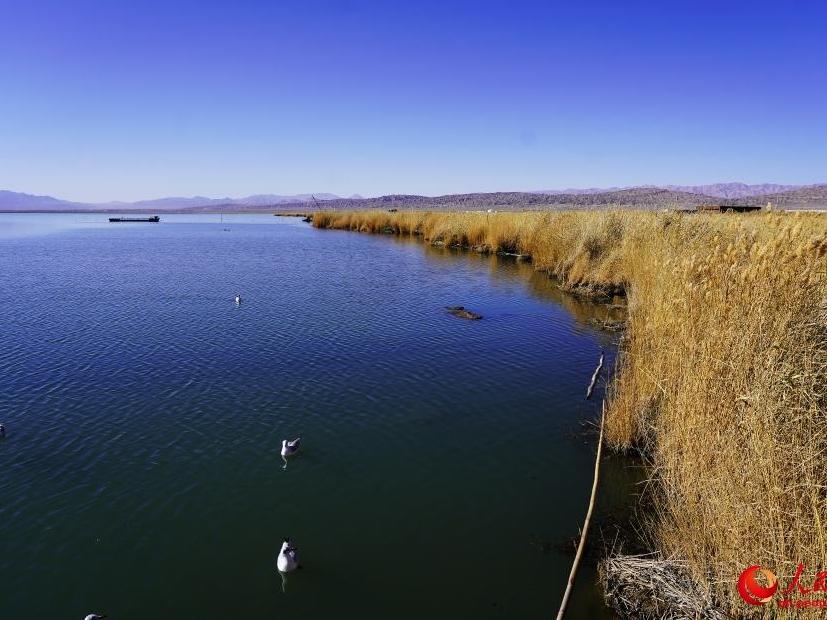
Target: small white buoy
x=289, y=448
x=288, y=559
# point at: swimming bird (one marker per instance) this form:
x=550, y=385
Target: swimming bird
x=2, y=431
x=289, y=448
x=95, y=617
x=238, y=299
x=288, y=559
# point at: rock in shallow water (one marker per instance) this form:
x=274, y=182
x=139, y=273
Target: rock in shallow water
x=461, y=312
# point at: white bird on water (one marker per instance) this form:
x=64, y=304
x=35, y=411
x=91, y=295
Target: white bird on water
x=95, y=617
x=289, y=448
x=238, y=299
x=288, y=559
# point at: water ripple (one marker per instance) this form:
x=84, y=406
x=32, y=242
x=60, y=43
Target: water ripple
x=145, y=414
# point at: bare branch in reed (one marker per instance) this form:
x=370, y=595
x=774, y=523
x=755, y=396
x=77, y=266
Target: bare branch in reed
x=582, y=544
x=590, y=389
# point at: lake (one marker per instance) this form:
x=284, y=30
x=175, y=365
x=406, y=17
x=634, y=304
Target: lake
x=446, y=464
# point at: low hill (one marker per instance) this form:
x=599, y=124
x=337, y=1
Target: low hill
x=634, y=198
x=650, y=198
x=809, y=197
x=716, y=190
x=734, y=190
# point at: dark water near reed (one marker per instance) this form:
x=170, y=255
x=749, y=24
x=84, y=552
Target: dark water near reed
x=445, y=468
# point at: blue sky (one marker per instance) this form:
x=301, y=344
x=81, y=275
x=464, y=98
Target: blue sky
x=129, y=100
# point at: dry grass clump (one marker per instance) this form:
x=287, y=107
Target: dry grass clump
x=722, y=383
x=649, y=586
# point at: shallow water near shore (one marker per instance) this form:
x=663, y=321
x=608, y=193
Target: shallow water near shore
x=445, y=465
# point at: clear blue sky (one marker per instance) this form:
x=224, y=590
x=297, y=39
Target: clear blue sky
x=140, y=99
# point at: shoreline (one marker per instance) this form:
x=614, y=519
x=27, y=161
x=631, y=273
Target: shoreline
x=293, y=210
x=720, y=379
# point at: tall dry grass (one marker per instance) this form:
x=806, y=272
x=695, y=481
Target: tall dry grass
x=722, y=383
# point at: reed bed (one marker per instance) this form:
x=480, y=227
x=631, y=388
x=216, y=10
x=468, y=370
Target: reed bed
x=722, y=379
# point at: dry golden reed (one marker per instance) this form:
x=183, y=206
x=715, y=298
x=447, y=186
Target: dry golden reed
x=722, y=383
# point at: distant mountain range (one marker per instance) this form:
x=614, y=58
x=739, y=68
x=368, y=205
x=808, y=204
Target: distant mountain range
x=642, y=197
x=16, y=201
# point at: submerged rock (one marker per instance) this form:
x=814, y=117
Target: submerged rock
x=461, y=312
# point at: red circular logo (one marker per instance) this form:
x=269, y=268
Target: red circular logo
x=752, y=591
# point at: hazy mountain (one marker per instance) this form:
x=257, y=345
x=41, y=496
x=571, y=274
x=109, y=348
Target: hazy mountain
x=256, y=200
x=18, y=201
x=173, y=202
x=274, y=199
x=578, y=191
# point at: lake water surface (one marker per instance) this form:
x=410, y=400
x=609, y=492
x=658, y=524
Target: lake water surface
x=445, y=466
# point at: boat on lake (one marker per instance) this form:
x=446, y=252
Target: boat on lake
x=154, y=218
